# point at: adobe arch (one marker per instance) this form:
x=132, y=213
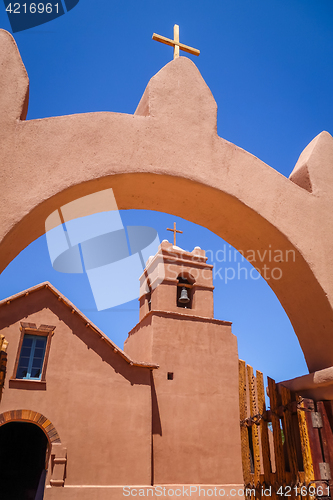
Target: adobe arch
x=168, y=157
x=32, y=417
x=57, y=472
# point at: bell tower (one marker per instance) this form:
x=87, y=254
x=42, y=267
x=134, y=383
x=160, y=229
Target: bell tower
x=177, y=281
x=194, y=393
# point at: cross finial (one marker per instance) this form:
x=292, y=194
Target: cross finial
x=175, y=43
x=174, y=230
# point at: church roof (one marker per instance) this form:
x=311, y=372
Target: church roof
x=87, y=322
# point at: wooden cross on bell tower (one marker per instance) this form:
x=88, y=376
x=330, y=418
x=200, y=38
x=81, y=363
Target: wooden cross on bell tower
x=175, y=43
x=174, y=230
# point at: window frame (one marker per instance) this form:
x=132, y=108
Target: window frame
x=42, y=331
x=32, y=356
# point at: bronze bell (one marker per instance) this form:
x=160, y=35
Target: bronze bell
x=184, y=298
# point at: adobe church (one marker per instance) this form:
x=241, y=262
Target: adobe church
x=82, y=419
x=96, y=418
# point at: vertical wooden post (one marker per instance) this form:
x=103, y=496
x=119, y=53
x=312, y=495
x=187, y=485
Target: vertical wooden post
x=289, y=432
x=305, y=441
x=278, y=448
x=243, y=415
x=3, y=362
x=255, y=430
x=326, y=437
x=314, y=439
x=264, y=428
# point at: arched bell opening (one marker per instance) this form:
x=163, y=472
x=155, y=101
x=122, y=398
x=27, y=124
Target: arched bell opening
x=185, y=291
x=24, y=456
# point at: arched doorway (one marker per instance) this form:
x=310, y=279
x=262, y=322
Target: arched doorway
x=23, y=451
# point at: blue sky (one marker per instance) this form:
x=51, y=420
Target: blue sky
x=268, y=65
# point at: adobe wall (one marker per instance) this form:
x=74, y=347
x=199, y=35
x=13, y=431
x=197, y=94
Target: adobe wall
x=168, y=157
x=98, y=403
x=196, y=438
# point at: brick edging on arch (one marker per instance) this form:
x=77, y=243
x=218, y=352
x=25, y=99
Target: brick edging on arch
x=33, y=417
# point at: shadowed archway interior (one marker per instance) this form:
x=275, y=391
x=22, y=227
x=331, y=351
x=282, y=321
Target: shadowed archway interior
x=23, y=449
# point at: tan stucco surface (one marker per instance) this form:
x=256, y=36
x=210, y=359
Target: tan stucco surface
x=99, y=404
x=120, y=421
x=195, y=426
x=168, y=157
x=196, y=435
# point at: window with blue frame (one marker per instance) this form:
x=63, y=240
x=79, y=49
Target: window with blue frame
x=31, y=357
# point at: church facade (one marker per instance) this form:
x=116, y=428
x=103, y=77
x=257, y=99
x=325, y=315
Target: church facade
x=94, y=421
